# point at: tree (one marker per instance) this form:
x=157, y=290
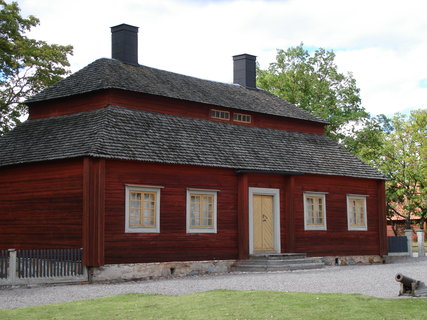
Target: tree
x=402, y=157
x=313, y=83
x=367, y=138
x=26, y=65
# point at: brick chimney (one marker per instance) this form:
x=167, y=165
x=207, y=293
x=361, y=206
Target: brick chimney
x=124, y=43
x=245, y=70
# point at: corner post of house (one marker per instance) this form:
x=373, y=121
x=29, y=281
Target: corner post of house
x=242, y=215
x=289, y=215
x=93, y=211
x=382, y=222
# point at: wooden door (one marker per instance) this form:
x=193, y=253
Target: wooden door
x=263, y=230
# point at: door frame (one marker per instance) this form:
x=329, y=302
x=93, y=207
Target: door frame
x=276, y=216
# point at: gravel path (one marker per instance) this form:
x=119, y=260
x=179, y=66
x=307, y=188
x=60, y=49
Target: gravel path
x=372, y=280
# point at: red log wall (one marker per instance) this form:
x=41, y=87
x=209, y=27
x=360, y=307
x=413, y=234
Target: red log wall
x=41, y=205
x=231, y=241
x=172, y=243
x=51, y=205
x=337, y=240
x=166, y=105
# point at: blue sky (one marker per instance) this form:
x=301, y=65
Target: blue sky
x=383, y=43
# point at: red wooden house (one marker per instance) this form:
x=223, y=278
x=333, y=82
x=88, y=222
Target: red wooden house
x=136, y=164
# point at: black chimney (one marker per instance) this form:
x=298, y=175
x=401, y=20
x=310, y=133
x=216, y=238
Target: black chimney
x=245, y=70
x=124, y=43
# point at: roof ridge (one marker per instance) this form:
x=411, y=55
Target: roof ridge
x=65, y=82
x=101, y=129
x=106, y=73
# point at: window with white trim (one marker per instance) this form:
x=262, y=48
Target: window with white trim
x=356, y=212
x=201, y=211
x=241, y=117
x=142, y=209
x=314, y=211
x=220, y=114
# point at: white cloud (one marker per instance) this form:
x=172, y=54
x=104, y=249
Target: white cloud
x=389, y=79
x=383, y=43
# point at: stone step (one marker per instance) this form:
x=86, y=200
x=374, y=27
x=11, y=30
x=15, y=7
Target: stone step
x=278, y=256
x=289, y=267
x=279, y=262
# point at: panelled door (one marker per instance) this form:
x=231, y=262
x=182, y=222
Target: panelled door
x=263, y=223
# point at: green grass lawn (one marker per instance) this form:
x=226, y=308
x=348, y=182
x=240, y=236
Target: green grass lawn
x=224, y=304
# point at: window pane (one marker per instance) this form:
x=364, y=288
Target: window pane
x=134, y=204
x=135, y=216
x=142, y=211
x=195, y=215
x=352, y=213
x=218, y=114
x=134, y=221
x=310, y=210
x=361, y=214
x=201, y=210
x=149, y=217
x=315, y=212
x=135, y=196
x=357, y=213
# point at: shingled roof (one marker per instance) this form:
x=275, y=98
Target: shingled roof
x=113, y=74
x=124, y=133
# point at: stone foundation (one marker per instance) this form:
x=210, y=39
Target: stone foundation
x=352, y=260
x=148, y=271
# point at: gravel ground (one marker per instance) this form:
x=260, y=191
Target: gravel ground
x=371, y=280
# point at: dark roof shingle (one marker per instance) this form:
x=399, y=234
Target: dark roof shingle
x=112, y=74
x=123, y=133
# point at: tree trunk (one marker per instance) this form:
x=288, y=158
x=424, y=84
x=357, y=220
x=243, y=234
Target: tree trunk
x=394, y=228
x=408, y=222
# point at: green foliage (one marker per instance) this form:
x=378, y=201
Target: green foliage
x=223, y=304
x=396, y=146
x=313, y=83
x=401, y=154
x=405, y=163
x=367, y=139
x=26, y=65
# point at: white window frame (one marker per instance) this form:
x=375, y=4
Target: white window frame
x=242, y=116
x=321, y=195
x=216, y=114
x=357, y=197
x=154, y=189
x=191, y=229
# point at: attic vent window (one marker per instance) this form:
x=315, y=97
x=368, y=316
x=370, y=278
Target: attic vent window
x=219, y=114
x=240, y=117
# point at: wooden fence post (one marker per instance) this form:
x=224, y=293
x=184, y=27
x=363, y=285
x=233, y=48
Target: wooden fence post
x=11, y=272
